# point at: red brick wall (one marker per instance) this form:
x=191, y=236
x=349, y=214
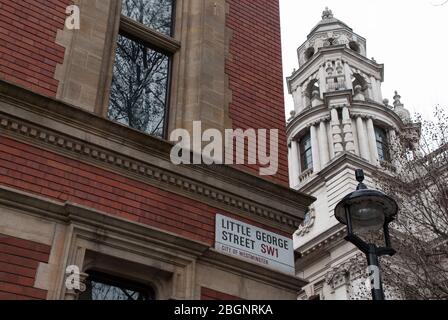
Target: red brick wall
x=255, y=72
x=28, y=52
x=19, y=260
x=209, y=294
x=37, y=171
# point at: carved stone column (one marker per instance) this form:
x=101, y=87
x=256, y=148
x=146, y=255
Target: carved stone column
x=295, y=163
x=336, y=133
x=323, y=145
x=348, y=131
x=362, y=139
x=298, y=100
x=315, y=149
x=372, y=142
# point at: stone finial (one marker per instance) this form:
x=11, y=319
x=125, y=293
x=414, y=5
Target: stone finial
x=327, y=14
x=397, y=100
x=386, y=103
x=400, y=110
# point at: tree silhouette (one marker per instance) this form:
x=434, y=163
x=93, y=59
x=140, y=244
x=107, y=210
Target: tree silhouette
x=420, y=185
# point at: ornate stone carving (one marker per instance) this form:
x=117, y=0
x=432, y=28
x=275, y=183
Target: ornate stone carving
x=346, y=272
x=308, y=223
x=327, y=14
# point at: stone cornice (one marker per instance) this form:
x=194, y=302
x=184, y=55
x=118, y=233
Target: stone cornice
x=226, y=262
x=365, y=108
x=69, y=213
x=334, y=166
x=318, y=59
x=84, y=136
x=322, y=242
x=103, y=224
x=301, y=117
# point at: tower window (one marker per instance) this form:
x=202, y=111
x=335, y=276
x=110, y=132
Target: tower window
x=354, y=46
x=309, y=53
x=306, y=153
x=382, y=144
x=101, y=286
x=340, y=114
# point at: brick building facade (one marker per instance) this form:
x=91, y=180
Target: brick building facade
x=85, y=173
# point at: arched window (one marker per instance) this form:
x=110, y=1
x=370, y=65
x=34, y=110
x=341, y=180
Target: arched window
x=309, y=53
x=313, y=85
x=358, y=80
x=101, y=286
x=354, y=46
x=382, y=144
x=306, y=153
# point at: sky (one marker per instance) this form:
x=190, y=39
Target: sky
x=407, y=36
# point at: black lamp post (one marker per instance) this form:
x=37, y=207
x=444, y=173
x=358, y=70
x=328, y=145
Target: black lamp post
x=364, y=211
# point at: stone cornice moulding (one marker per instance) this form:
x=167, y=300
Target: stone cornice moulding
x=75, y=133
x=226, y=262
x=317, y=247
x=335, y=166
x=118, y=231
x=345, y=55
x=71, y=213
x=300, y=121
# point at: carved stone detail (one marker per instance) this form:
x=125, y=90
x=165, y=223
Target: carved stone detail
x=346, y=272
x=150, y=174
x=308, y=224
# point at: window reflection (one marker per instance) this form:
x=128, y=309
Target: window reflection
x=155, y=14
x=105, y=287
x=306, y=153
x=382, y=144
x=139, y=87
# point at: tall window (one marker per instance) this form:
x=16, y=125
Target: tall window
x=382, y=144
x=306, y=154
x=140, y=84
x=101, y=286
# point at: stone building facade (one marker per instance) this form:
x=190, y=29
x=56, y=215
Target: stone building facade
x=86, y=179
x=340, y=123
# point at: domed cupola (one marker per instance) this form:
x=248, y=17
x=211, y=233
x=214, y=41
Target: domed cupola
x=330, y=32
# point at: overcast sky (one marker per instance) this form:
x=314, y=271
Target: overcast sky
x=409, y=37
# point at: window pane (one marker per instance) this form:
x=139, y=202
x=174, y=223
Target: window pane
x=306, y=153
x=155, y=14
x=382, y=144
x=104, y=287
x=139, y=87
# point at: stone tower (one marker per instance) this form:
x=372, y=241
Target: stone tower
x=340, y=123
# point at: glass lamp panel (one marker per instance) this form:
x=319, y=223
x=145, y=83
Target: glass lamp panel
x=366, y=218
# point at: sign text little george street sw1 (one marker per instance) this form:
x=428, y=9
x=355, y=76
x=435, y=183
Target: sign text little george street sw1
x=259, y=246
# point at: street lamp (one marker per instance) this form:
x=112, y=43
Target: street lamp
x=364, y=211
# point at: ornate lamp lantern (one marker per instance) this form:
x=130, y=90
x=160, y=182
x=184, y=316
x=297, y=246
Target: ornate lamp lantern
x=364, y=211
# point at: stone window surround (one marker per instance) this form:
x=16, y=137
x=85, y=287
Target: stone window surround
x=196, y=87
x=121, y=24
